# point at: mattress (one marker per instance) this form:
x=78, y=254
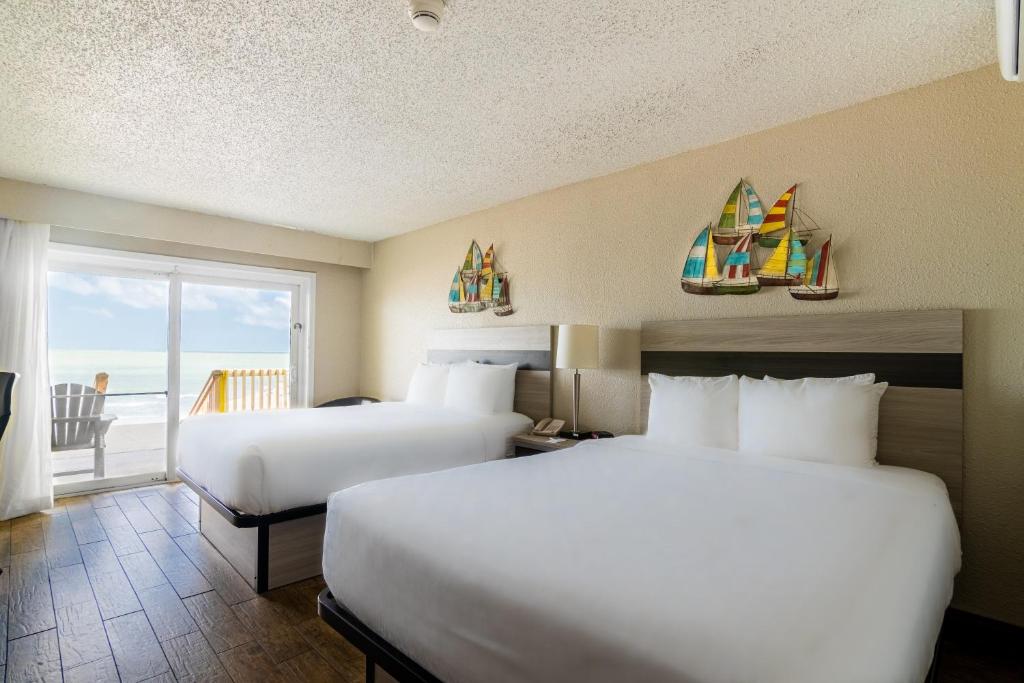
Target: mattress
x=265, y=462
x=622, y=560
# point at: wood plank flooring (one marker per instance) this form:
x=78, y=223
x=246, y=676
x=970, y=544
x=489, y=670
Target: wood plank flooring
x=121, y=587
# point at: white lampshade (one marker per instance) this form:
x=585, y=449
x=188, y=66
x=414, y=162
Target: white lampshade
x=577, y=347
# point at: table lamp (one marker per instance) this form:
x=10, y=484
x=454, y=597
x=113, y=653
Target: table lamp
x=576, y=350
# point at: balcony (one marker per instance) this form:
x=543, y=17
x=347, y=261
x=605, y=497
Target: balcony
x=136, y=446
x=132, y=449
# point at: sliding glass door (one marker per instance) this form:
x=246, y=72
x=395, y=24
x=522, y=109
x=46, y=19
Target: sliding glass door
x=108, y=376
x=139, y=343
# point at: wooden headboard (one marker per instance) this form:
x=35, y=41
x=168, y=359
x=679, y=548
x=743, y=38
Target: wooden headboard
x=919, y=353
x=529, y=345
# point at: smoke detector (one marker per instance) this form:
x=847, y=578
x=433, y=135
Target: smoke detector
x=426, y=14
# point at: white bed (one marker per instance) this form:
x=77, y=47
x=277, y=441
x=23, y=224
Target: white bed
x=622, y=560
x=261, y=463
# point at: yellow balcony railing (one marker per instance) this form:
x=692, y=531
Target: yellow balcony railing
x=229, y=391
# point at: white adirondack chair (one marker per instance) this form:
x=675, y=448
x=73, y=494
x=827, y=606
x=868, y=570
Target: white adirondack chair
x=79, y=422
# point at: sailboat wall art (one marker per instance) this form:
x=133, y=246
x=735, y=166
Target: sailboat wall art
x=766, y=249
x=786, y=265
x=480, y=285
x=784, y=216
x=821, y=281
x=742, y=215
x=737, y=274
x=700, y=272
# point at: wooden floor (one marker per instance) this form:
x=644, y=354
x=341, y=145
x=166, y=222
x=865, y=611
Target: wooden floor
x=121, y=586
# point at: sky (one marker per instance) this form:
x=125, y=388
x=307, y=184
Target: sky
x=130, y=314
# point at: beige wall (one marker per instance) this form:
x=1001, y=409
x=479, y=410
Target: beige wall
x=338, y=301
x=57, y=206
x=923, y=192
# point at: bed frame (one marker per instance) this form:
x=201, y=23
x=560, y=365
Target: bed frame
x=378, y=651
x=283, y=547
x=920, y=354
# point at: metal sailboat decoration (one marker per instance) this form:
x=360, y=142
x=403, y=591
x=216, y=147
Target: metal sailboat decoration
x=737, y=276
x=786, y=265
x=821, y=281
x=700, y=272
x=479, y=285
x=782, y=216
x=741, y=215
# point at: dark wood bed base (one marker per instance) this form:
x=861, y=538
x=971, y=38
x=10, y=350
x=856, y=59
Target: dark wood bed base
x=379, y=652
x=262, y=524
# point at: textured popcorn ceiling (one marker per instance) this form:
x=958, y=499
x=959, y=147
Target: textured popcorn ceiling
x=339, y=117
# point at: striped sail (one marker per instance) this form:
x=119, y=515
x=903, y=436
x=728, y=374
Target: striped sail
x=474, y=260
x=797, y=264
x=776, y=217
x=701, y=265
x=821, y=271
x=471, y=276
x=499, y=282
x=727, y=221
x=488, y=263
x=755, y=212
x=775, y=266
x=487, y=276
x=456, y=293
x=736, y=269
x=787, y=260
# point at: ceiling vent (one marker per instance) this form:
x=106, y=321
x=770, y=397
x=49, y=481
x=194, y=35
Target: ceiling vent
x=1008, y=38
x=426, y=14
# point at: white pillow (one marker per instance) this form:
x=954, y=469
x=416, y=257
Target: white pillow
x=694, y=411
x=428, y=385
x=866, y=378
x=831, y=422
x=478, y=388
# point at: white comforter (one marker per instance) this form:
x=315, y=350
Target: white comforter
x=619, y=560
x=270, y=461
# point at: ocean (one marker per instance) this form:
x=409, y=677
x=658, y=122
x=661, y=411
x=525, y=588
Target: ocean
x=139, y=371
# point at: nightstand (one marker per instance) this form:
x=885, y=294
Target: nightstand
x=528, y=444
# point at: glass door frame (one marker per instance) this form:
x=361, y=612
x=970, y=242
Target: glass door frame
x=121, y=270
x=178, y=271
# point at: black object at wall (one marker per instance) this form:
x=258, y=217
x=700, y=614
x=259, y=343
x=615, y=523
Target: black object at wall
x=6, y=391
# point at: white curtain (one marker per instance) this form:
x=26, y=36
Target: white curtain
x=26, y=477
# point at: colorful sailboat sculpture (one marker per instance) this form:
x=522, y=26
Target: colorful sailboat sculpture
x=782, y=216
x=786, y=265
x=700, y=272
x=741, y=215
x=501, y=295
x=821, y=281
x=478, y=285
x=737, y=276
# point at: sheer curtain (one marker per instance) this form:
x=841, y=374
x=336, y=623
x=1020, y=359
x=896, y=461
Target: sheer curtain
x=26, y=477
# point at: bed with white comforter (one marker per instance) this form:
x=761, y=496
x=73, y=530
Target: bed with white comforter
x=265, y=462
x=622, y=560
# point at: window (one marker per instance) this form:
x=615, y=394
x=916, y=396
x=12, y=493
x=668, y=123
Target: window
x=139, y=342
